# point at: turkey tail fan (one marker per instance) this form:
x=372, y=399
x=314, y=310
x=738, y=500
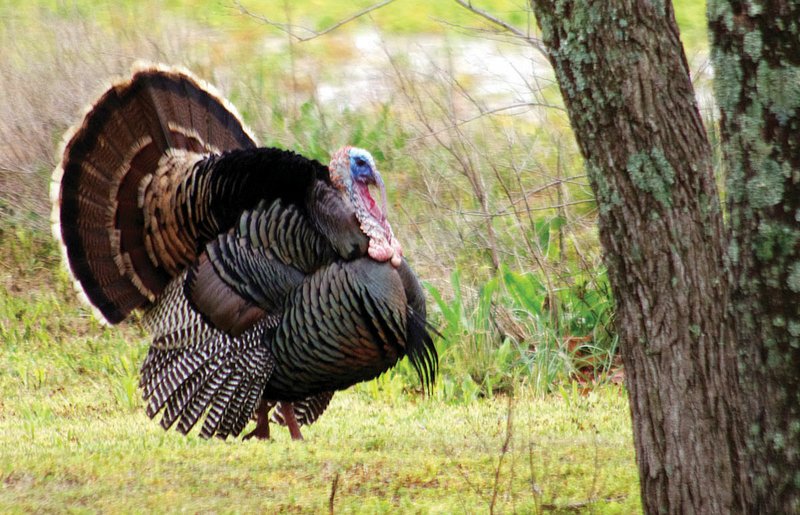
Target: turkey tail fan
x=109, y=159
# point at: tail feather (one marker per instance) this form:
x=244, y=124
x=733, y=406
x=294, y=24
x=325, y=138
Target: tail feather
x=220, y=378
x=199, y=402
x=224, y=398
x=237, y=416
x=190, y=383
x=174, y=380
x=234, y=408
x=235, y=401
x=175, y=403
x=172, y=322
x=110, y=158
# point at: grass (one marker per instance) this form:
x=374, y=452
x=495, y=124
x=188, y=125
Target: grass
x=509, y=333
x=73, y=434
x=79, y=449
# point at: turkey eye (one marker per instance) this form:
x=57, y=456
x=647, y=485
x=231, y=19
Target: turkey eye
x=360, y=162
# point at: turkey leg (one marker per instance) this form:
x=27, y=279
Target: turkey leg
x=262, y=422
x=287, y=410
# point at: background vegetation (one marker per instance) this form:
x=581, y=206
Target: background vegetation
x=487, y=195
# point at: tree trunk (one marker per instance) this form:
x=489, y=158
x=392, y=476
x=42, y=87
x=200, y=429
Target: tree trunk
x=626, y=85
x=756, y=55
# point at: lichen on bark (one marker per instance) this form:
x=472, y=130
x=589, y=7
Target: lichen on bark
x=652, y=173
x=719, y=308
x=756, y=54
x=626, y=85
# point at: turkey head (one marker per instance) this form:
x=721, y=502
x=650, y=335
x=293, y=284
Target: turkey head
x=352, y=172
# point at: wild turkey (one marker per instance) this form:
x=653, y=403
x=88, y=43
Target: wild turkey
x=265, y=278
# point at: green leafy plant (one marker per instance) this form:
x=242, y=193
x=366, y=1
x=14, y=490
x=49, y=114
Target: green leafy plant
x=514, y=331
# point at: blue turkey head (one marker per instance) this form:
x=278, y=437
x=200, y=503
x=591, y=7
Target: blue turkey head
x=353, y=171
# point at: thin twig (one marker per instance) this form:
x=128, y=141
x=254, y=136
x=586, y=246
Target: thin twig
x=534, y=42
x=551, y=184
x=530, y=210
x=334, y=484
x=291, y=29
x=503, y=452
x=19, y=170
x=596, y=468
x=486, y=113
x=489, y=34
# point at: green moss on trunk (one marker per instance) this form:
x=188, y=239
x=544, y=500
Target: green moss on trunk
x=760, y=127
x=625, y=82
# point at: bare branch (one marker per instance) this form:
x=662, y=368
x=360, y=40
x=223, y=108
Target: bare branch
x=532, y=41
x=506, y=212
x=491, y=34
x=486, y=113
x=20, y=170
x=283, y=27
x=291, y=30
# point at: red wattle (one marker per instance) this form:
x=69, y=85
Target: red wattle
x=373, y=208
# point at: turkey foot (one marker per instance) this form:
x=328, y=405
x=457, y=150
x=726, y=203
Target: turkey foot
x=262, y=423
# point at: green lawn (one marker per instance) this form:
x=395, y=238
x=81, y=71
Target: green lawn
x=73, y=434
x=77, y=449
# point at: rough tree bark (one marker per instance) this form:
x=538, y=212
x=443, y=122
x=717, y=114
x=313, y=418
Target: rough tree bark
x=708, y=318
x=756, y=57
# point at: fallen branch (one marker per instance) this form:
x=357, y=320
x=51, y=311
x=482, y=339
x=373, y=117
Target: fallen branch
x=578, y=506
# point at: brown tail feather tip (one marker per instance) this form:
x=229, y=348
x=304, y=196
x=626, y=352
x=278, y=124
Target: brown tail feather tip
x=83, y=280
x=145, y=66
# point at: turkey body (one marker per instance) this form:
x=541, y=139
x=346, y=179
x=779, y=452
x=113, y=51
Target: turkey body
x=265, y=278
